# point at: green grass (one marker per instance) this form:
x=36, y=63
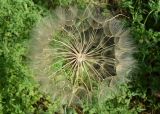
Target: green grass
x=19, y=92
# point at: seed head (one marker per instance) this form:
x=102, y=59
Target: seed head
x=80, y=51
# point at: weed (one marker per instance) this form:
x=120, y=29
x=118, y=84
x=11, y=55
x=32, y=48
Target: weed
x=78, y=52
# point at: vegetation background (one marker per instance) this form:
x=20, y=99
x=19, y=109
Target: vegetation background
x=18, y=91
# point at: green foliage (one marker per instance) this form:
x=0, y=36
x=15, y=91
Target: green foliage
x=145, y=25
x=117, y=104
x=16, y=84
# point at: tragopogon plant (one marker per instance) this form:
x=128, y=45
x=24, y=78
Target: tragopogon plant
x=75, y=52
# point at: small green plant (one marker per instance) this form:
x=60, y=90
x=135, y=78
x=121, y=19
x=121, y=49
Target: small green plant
x=17, y=88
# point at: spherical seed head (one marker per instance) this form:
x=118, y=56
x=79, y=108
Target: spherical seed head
x=85, y=52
